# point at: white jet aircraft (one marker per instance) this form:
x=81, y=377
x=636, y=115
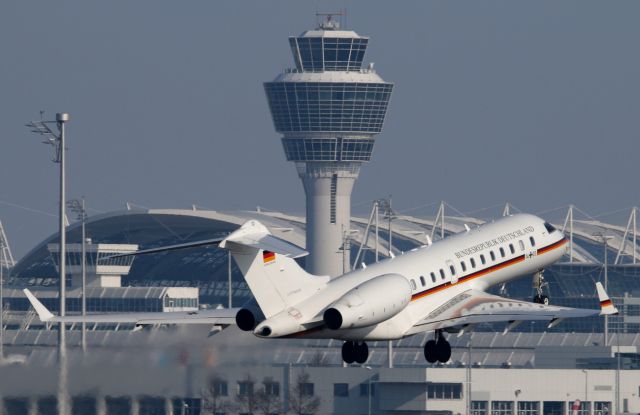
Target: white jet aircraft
x=440, y=287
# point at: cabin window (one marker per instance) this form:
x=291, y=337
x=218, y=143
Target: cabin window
x=422, y=281
x=521, y=244
x=473, y=263
x=452, y=269
x=441, y=273
x=533, y=241
x=463, y=266
x=502, y=252
x=512, y=249
x=493, y=256
x=413, y=285
x=482, y=259
x=433, y=277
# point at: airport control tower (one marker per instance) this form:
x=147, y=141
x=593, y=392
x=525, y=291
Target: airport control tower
x=329, y=110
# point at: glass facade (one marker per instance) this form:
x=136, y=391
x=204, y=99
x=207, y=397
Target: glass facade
x=444, y=391
x=502, y=408
x=317, y=54
x=572, y=285
x=328, y=149
x=338, y=107
x=180, y=302
x=528, y=408
x=479, y=407
x=103, y=258
x=94, y=305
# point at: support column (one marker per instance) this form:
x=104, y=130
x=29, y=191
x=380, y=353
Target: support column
x=33, y=405
x=328, y=189
x=101, y=405
x=168, y=406
x=135, y=405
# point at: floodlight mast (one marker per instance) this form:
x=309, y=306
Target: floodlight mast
x=57, y=140
x=78, y=206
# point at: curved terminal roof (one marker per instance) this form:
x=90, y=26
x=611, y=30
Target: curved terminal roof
x=207, y=267
x=157, y=227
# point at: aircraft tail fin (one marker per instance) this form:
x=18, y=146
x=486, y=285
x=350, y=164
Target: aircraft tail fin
x=606, y=305
x=269, y=268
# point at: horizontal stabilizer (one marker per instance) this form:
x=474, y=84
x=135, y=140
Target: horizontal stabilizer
x=186, y=245
x=254, y=234
x=606, y=305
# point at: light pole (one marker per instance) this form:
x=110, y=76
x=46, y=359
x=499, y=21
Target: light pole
x=229, y=275
x=57, y=140
x=369, y=391
x=586, y=390
x=2, y=261
x=78, y=206
x=605, y=239
x=469, y=374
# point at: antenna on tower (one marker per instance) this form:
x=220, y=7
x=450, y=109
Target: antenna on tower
x=328, y=23
x=6, y=257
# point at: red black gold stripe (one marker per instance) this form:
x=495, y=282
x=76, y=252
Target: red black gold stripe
x=606, y=303
x=485, y=271
x=552, y=246
x=268, y=256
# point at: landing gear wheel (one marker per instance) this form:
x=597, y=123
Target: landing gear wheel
x=443, y=350
x=349, y=352
x=362, y=352
x=541, y=299
x=430, y=351
x=539, y=286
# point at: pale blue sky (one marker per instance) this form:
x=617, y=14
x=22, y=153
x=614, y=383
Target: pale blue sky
x=533, y=102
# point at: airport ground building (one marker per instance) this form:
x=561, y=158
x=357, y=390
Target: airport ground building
x=531, y=370
x=238, y=389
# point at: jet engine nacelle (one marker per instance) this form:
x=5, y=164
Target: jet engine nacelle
x=249, y=316
x=369, y=303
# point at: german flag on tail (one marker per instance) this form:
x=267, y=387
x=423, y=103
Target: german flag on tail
x=268, y=257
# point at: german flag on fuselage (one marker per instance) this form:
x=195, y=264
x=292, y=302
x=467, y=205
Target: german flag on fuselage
x=268, y=257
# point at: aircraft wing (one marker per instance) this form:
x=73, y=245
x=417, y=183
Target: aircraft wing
x=222, y=316
x=473, y=307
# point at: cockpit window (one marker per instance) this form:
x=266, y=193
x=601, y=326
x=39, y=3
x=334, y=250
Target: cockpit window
x=549, y=227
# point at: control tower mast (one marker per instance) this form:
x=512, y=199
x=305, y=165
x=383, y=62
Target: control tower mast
x=329, y=110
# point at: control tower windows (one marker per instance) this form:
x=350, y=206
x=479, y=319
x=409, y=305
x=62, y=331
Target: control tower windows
x=318, y=54
x=316, y=106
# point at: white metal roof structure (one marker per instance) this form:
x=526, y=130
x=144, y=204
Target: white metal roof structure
x=154, y=227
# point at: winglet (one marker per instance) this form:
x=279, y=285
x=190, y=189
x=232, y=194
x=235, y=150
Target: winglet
x=43, y=314
x=606, y=306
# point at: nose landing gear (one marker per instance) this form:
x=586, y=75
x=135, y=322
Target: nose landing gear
x=438, y=350
x=355, y=352
x=539, y=284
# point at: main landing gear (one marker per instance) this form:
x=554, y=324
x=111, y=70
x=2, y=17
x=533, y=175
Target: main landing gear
x=438, y=350
x=539, y=284
x=355, y=352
